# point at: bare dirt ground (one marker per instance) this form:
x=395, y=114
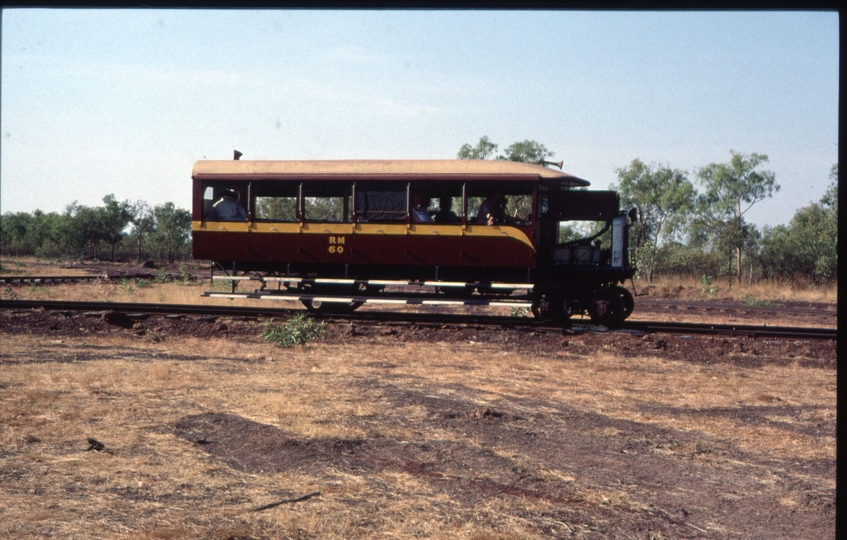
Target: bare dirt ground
x=408, y=431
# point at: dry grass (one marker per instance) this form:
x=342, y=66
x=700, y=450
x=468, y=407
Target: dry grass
x=689, y=288
x=151, y=484
x=178, y=293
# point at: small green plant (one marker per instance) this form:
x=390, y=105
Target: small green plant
x=142, y=283
x=10, y=293
x=33, y=288
x=126, y=287
x=707, y=287
x=297, y=330
x=753, y=301
x=161, y=276
x=183, y=273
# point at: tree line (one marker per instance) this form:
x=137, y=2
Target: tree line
x=115, y=230
x=685, y=227
x=699, y=228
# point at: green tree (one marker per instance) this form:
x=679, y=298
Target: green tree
x=13, y=233
x=173, y=228
x=663, y=198
x=808, y=246
x=484, y=149
x=526, y=152
x=79, y=232
x=143, y=224
x=731, y=189
x=113, y=218
x=523, y=151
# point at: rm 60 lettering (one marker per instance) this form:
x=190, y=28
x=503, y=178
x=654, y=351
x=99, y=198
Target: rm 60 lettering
x=336, y=244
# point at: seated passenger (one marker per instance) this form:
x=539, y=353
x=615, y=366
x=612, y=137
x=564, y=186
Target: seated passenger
x=228, y=208
x=419, y=214
x=445, y=214
x=492, y=210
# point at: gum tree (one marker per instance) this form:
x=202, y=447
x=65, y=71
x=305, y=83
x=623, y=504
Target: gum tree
x=662, y=198
x=484, y=149
x=173, y=227
x=730, y=190
x=143, y=224
x=113, y=218
x=808, y=245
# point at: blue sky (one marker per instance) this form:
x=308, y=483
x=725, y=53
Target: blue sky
x=124, y=101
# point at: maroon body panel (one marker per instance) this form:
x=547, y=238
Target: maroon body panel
x=374, y=249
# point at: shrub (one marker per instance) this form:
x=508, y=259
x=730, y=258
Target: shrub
x=161, y=276
x=753, y=301
x=126, y=287
x=707, y=287
x=297, y=330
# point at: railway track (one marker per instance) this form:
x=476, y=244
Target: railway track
x=54, y=280
x=716, y=306
x=640, y=301
x=136, y=309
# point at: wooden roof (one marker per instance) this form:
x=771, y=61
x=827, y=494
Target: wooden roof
x=381, y=169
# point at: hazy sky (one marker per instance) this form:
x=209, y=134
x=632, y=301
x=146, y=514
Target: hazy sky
x=125, y=101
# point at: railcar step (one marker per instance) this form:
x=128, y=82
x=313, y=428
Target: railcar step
x=369, y=300
x=379, y=282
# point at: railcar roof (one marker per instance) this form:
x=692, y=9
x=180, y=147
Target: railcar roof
x=394, y=169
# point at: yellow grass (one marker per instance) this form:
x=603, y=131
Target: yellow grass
x=123, y=391
x=177, y=293
x=690, y=288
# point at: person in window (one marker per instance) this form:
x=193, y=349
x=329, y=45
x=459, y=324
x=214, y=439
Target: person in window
x=419, y=214
x=228, y=208
x=445, y=214
x=492, y=210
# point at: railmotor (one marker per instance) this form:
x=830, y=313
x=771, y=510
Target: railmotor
x=465, y=230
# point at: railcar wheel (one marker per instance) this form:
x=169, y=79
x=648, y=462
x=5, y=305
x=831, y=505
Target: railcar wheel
x=626, y=299
x=610, y=308
x=555, y=312
x=341, y=308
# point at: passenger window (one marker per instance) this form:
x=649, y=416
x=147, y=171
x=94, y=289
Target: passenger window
x=508, y=202
x=281, y=208
x=209, y=203
x=381, y=202
x=449, y=209
x=327, y=208
x=473, y=208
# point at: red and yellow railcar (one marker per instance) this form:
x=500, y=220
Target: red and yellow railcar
x=359, y=223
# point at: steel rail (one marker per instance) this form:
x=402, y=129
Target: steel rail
x=640, y=301
x=786, y=332
x=732, y=307
x=65, y=279
x=431, y=318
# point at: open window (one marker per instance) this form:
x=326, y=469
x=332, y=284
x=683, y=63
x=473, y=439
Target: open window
x=440, y=201
x=508, y=202
x=327, y=202
x=277, y=202
x=224, y=201
x=380, y=202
